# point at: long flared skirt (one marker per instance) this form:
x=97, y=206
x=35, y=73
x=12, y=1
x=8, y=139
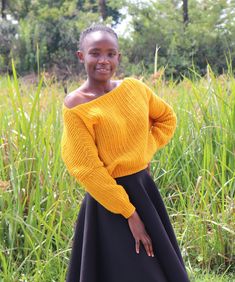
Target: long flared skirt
x=104, y=248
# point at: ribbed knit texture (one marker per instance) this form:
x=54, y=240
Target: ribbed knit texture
x=114, y=135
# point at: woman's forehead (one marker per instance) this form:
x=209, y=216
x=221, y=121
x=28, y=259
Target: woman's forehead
x=98, y=38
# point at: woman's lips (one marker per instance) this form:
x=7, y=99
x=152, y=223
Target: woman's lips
x=103, y=70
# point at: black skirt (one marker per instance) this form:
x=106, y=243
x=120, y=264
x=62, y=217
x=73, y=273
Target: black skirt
x=104, y=248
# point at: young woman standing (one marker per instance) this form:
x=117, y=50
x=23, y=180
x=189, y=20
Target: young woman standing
x=111, y=131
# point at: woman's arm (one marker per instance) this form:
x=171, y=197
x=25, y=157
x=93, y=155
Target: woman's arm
x=80, y=155
x=162, y=118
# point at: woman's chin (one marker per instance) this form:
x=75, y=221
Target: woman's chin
x=103, y=76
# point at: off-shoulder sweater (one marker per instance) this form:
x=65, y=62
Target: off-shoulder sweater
x=115, y=135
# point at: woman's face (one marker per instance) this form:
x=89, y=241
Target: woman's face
x=100, y=55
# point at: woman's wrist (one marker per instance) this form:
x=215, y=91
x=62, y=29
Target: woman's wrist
x=133, y=215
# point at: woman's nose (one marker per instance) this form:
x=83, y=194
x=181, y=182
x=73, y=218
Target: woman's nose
x=103, y=59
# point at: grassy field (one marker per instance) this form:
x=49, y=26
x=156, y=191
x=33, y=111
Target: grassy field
x=195, y=173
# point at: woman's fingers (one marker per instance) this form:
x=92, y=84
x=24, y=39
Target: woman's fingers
x=139, y=233
x=150, y=247
x=137, y=246
x=147, y=245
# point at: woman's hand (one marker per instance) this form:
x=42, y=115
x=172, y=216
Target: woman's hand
x=139, y=233
x=148, y=168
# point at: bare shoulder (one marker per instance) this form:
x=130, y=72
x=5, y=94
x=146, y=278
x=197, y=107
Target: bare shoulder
x=117, y=82
x=74, y=99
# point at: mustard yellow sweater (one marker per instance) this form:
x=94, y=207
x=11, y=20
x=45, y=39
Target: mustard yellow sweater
x=114, y=135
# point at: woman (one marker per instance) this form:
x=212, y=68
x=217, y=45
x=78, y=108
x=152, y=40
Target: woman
x=111, y=131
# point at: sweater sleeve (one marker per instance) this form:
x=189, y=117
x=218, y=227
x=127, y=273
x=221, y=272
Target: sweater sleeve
x=162, y=117
x=80, y=155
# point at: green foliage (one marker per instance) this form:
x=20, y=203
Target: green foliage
x=49, y=30
x=207, y=38
x=200, y=165
x=111, y=8
x=7, y=38
x=55, y=32
x=39, y=200
x=52, y=28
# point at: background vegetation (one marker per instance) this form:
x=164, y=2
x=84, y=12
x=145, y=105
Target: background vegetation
x=189, y=33
x=196, y=174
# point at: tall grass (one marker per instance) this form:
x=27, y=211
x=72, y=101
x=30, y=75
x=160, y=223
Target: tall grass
x=39, y=201
x=196, y=172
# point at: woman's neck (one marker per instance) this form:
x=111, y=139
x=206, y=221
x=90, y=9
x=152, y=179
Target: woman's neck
x=98, y=87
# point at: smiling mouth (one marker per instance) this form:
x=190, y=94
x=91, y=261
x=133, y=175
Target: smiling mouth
x=103, y=70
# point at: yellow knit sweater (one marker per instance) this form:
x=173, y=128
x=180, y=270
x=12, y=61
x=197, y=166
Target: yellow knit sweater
x=114, y=135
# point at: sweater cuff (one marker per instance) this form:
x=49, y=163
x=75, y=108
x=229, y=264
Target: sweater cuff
x=128, y=211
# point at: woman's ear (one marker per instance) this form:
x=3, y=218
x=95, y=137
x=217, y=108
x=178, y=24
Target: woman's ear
x=80, y=56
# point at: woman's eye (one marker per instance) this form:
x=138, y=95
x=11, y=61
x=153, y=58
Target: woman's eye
x=112, y=54
x=94, y=54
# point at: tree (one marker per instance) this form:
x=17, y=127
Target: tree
x=185, y=12
x=7, y=44
x=51, y=29
x=103, y=9
x=3, y=9
x=209, y=35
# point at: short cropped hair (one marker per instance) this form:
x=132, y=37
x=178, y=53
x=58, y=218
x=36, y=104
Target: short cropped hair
x=94, y=28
